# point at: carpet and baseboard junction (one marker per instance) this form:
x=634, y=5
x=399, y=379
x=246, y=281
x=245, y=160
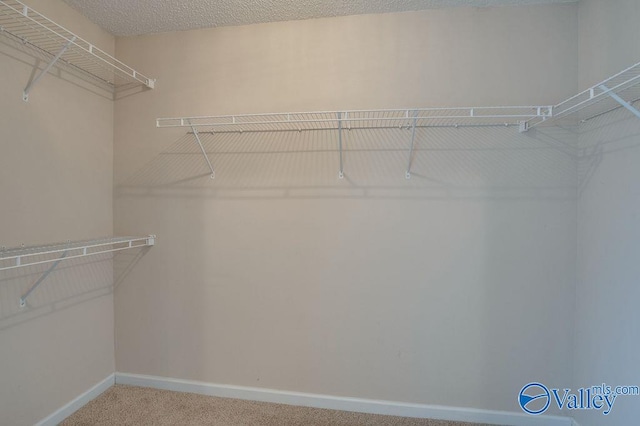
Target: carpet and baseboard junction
x=133, y=405
x=133, y=399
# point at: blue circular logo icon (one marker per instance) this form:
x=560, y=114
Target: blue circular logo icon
x=534, y=398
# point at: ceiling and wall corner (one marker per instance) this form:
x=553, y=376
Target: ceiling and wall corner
x=127, y=18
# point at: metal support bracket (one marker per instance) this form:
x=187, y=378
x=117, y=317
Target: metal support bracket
x=25, y=93
x=341, y=172
x=621, y=101
x=523, y=126
x=206, y=157
x=407, y=175
x=23, y=299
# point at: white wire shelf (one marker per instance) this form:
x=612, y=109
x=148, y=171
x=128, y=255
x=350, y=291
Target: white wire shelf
x=340, y=121
x=620, y=90
x=360, y=119
x=22, y=23
x=53, y=254
x=595, y=101
x=19, y=257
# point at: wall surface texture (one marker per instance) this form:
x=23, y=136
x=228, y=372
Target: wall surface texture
x=607, y=335
x=56, y=184
x=455, y=287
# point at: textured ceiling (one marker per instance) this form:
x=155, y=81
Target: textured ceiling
x=127, y=17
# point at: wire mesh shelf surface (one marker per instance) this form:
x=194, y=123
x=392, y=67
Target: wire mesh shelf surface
x=359, y=119
x=16, y=257
x=37, y=31
x=598, y=99
x=620, y=90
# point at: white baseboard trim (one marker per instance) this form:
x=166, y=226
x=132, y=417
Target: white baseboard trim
x=343, y=403
x=73, y=406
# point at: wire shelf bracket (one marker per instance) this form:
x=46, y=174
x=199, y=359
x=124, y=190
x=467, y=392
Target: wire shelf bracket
x=53, y=254
x=407, y=175
x=204, y=152
x=25, y=93
x=23, y=298
x=621, y=101
x=25, y=25
x=341, y=172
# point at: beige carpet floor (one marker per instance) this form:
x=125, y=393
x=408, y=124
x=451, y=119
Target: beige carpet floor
x=131, y=405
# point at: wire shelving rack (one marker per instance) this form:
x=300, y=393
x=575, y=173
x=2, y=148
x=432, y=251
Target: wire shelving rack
x=24, y=25
x=621, y=90
x=53, y=254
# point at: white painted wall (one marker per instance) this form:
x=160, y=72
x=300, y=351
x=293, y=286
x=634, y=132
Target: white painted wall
x=56, y=171
x=453, y=288
x=607, y=334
